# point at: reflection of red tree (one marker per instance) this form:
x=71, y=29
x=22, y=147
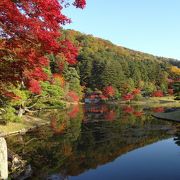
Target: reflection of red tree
x=57, y=130
x=128, y=109
x=98, y=109
x=104, y=108
x=158, y=109
x=170, y=81
x=73, y=96
x=67, y=149
x=138, y=113
x=110, y=116
x=73, y=113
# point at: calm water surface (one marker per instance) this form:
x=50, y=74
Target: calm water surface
x=102, y=142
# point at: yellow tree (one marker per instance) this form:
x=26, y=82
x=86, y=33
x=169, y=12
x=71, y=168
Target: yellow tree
x=175, y=69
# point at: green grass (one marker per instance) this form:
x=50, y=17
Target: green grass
x=11, y=127
x=25, y=124
x=158, y=101
x=167, y=101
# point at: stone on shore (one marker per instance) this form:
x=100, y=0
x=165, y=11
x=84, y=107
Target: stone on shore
x=3, y=159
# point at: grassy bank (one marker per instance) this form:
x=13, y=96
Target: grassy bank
x=27, y=123
x=154, y=102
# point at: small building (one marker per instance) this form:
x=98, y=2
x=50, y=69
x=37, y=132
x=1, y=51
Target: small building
x=95, y=97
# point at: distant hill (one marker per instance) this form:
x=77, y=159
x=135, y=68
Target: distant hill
x=101, y=63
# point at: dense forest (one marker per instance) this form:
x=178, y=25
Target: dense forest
x=102, y=64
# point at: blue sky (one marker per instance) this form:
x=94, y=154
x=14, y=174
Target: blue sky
x=151, y=26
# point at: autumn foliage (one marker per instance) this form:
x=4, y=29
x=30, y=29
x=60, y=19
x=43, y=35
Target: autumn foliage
x=128, y=109
x=138, y=113
x=170, y=91
x=73, y=96
x=74, y=111
x=128, y=97
x=158, y=93
x=59, y=78
x=158, y=109
x=108, y=91
x=175, y=70
x=110, y=115
x=136, y=91
x=29, y=30
x=34, y=86
x=10, y=95
x=57, y=129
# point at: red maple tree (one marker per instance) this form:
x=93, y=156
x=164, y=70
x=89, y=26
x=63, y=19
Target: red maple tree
x=136, y=91
x=29, y=30
x=34, y=86
x=108, y=91
x=158, y=93
x=128, y=97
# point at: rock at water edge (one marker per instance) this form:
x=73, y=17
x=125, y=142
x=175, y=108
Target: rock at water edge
x=3, y=159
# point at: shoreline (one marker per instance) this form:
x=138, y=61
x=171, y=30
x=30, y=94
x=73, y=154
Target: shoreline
x=23, y=127
x=164, y=101
x=29, y=123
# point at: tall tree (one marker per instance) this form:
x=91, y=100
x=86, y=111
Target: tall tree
x=29, y=30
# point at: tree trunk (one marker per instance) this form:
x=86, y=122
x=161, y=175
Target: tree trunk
x=21, y=112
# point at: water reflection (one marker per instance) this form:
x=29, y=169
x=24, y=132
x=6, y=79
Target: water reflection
x=158, y=109
x=86, y=137
x=177, y=138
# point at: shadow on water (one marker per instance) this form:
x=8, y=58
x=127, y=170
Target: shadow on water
x=86, y=137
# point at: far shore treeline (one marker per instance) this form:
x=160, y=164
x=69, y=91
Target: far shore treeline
x=101, y=64
x=121, y=73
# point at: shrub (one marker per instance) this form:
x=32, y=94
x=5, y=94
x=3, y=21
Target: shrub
x=157, y=93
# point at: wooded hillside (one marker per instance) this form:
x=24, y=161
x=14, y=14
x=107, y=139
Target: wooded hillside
x=102, y=64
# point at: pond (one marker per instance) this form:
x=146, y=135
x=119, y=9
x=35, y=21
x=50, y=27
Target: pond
x=102, y=142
